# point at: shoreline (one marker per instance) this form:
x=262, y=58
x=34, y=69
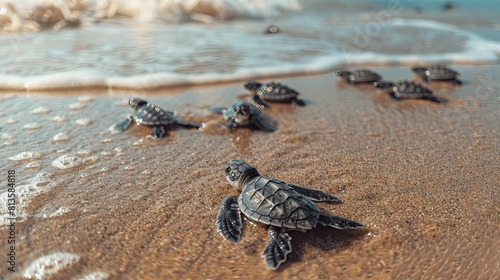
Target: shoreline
x=183, y=85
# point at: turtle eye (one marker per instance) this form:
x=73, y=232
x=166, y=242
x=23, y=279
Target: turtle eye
x=228, y=170
x=244, y=110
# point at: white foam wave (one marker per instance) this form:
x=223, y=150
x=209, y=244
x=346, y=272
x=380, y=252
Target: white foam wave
x=49, y=264
x=264, y=56
x=26, y=156
x=61, y=137
x=34, y=15
x=96, y=275
x=32, y=126
x=25, y=193
x=41, y=111
x=58, y=212
x=83, y=121
x=66, y=161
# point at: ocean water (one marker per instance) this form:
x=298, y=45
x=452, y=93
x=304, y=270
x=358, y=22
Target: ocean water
x=154, y=44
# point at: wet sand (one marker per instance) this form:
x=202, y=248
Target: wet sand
x=423, y=177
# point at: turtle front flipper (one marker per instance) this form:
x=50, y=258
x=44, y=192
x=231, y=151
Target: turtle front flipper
x=433, y=99
x=228, y=220
x=258, y=102
x=231, y=124
x=315, y=195
x=124, y=124
x=218, y=110
x=338, y=222
x=277, y=248
x=158, y=132
x=258, y=123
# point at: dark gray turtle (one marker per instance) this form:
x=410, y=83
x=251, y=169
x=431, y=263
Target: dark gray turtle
x=274, y=203
x=244, y=113
x=152, y=115
x=272, y=92
x=407, y=90
x=438, y=72
x=358, y=76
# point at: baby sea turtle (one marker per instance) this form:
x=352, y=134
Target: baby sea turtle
x=358, y=76
x=151, y=115
x=274, y=203
x=243, y=113
x=407, y=90
x=272, y=92
x=438, y=72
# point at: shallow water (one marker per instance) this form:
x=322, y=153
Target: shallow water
x=127, y=53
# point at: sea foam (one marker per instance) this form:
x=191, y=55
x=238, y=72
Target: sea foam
x=49, y=264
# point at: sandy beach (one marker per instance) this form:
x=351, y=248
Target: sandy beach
x=422, y=177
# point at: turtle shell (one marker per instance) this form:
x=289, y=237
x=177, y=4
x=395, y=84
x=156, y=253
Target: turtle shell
x=277, y=92
x=272, y=202
x=440, y=72
x=152, y=115
x=436, y=72
x=363, y=76
x=409, y=89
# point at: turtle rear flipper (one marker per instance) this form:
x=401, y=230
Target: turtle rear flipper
x=258, y=102
x=299, y=102
x=228, y=220
x=315, y=195
x=338, y=222
x=124, y=124
x=277, y=248
x=392, y=95
x=433, y=99
x=231, y=124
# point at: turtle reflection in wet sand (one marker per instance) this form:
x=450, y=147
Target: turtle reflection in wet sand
x=151, y=115
x=274, y=203
x=272, y=92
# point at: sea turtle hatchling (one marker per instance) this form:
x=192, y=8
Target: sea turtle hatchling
x=359, y=76
x=407, y=90
x=438, y=73
x=274, y=203
x=272, y=92
x=151, y=115
x=244, y=113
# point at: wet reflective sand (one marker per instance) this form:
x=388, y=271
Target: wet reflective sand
x=423, y=177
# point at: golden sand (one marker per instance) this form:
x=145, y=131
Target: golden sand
x=423, y=177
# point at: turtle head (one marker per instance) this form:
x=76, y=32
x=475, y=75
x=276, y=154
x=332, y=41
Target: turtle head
x=135, y=103
x=341, y=73
x=238, y=171
x=383, y=84
x=250, y=85
x=242, y=113
x=418, y=69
